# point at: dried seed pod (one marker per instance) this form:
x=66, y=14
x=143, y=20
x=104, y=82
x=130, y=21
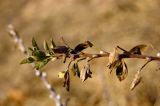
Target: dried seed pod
x=136, y=80
x=122, y=71
x=67, y=80
x=75, y=69
x=114, y=60
x=85, y=73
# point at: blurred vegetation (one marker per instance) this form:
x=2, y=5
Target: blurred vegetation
x=106, y=23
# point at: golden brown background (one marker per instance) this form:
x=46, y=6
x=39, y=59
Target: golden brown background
x=106, y=23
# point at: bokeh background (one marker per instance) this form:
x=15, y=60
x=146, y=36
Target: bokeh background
x=106, y=23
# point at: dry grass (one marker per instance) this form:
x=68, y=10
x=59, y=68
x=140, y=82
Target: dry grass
x=106, y=23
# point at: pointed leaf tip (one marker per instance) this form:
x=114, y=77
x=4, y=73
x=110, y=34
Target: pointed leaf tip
x=138, y=49
x=34, y=44
x=75, y=69
x=27, y=60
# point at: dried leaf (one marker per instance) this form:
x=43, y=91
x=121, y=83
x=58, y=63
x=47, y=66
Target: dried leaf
x=113, y=56
x=85, y=73
x=80, y=47
x=61, y=74
x=61, y=49
x=125, y=70
x=113, y=60
x=67, y=81
x=75, y=69
x=138, y=49
x=28, y=60
x=136, y=80
x=122, y=71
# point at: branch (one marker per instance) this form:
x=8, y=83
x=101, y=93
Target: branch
x=99, y=55
x=39, y=58
x=42, y=75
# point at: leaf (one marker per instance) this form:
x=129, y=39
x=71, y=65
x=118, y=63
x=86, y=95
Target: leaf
x=80, y=47
x=39, y=55
x=122, y=71
x=137, y=79
x=85, y=73
x=75, y=69
x=119, y=71
x=40, y=64
x=113, y=56
x=67, y=81
x=89, y=43
x=30, y=49
x=113, y=60
x=28, y=60
x=61, y=49
x=53, y=44
x=61, y=74
x=138, y=49
x=34, y=44
x=46, y=47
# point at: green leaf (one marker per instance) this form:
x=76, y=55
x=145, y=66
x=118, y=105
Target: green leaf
x=34, y=44
x=46, y=47
x=61, y=74
x=28, y=60
x=30, y=49
x=75, y=69
x=53, y=44
x=39, y=55
x=40, y=64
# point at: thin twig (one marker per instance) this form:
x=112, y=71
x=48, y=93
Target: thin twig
x=80, y=56
x=123, y=55
x=42, y=75
x=148, y=61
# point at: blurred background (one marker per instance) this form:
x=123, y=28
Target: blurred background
x=106, y=23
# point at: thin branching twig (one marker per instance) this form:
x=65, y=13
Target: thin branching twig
x=116, y=61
